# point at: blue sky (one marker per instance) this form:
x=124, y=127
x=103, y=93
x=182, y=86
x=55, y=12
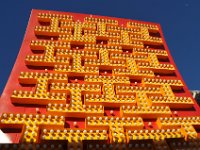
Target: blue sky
x=180, y=21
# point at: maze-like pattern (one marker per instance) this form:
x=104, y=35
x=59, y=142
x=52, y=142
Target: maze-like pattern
x=115, y=83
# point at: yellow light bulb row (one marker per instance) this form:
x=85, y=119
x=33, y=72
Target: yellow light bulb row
x=100, y=78
x=163, y=81
x=146, y=50
x=136, y=24
x=137, y=88
x=109, y=35
x=47, y=59
x=96, y=20
x=44, y=43
x=75, y=135
x=79, y=52
x=59, y=16
x=118, y=29
x=64, y=108
x=74, y=68
x=37, y=75
x=81, y=87
x=96, y=46
x=159, y=134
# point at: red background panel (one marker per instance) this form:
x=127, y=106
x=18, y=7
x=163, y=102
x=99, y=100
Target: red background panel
x=19, y=66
